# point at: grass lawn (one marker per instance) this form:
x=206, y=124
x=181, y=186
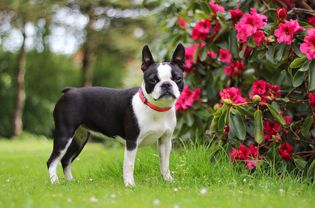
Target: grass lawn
x=98, y=172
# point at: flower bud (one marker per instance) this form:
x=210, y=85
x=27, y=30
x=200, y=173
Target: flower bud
x=226, y=128
x=227, y=101
x=216, y=107
x=256, y=98
x=281, y=14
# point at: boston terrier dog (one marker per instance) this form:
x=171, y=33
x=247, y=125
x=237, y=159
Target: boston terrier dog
x=138, y=116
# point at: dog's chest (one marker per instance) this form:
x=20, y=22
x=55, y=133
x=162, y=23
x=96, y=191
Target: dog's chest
x=152, y=124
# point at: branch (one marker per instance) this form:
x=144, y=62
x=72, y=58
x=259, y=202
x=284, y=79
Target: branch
x=300, y=10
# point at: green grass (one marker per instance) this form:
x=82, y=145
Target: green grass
x=24, y=180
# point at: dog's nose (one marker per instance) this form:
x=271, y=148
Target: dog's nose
x=166, y=85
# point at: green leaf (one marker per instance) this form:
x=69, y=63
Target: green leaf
x=196, y=54
x=214, y=122
x=300, y=164
x=258, y=131
x=297, y=62
x=305, y=131
x=311, y=170
x=189, y=118
x=311, y=76
x=248, y=110
x=279, y=53
x=276, y=114
x=298, y=78
x=305, y=66
x=237, y=125
x=297, y=50
x=270, y=54
x=222, y=121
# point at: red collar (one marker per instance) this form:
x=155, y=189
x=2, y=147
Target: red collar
x=154, y=107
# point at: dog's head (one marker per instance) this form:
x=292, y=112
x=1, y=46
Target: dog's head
x=163, y=81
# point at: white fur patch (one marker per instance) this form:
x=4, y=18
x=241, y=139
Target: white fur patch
x=53, y=166
x=164, y=72
x=128, y=168
x=153, y=124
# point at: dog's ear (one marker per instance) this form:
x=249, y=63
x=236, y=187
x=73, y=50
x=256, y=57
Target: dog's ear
x=179, y=56
x=147, y=58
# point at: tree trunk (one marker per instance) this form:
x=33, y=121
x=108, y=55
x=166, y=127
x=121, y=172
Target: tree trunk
x=87, y=55
x=20, y=90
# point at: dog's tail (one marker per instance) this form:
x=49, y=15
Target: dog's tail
x=67, y=89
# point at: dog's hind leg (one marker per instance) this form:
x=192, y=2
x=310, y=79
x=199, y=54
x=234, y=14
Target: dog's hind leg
x=62, y=142
x=79, y=140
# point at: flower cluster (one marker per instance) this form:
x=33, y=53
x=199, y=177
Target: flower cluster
x=272, y=131
x=308, y=46
x=189, y=55
x=225, y=56
x=201, y=30
x=285, y=32
x=233, y=94
x=216, y=7
x=236, y=14
x=187, y=98
x=250, y=25
x=234, y=69
x=286, y=150
x=249, y=155
x=266, y=91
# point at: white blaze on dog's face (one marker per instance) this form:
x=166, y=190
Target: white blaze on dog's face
x=163, y=81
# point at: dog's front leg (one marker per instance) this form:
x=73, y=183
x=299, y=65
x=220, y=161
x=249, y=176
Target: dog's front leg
x=165, y=144
x=129, y=163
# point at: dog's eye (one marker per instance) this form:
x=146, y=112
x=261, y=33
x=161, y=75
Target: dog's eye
x=153, y=80
x=177, y=79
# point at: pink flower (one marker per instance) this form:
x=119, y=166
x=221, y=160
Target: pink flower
x=266, y=91
x=259, y=37
x=236, y=14
x=201, y=30
x=308, y=46
x=285, y=32
x=249, y=155
x=311, y=99
x=189, y=56
x=216, y=7
x=311, y=21
x=249, y=24
x=234, y=94
x=234, y=69
x=225, y=56
x=281, y=14
x=181, y=22
x=212, y=54
x=187, y=98
x=271, y=130
x=286, y=151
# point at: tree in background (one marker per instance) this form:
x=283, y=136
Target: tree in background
x=19, y=13
x=116, y=32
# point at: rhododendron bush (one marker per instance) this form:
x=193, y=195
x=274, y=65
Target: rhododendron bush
x=250, y=79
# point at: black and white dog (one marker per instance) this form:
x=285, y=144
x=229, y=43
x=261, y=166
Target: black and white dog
x=140, y=116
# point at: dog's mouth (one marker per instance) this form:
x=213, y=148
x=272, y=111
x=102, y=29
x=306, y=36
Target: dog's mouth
x=167, y=95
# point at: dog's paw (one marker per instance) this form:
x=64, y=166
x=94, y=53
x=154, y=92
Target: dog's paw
x=168, y=177
x=54, y=179
x=129, y=183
